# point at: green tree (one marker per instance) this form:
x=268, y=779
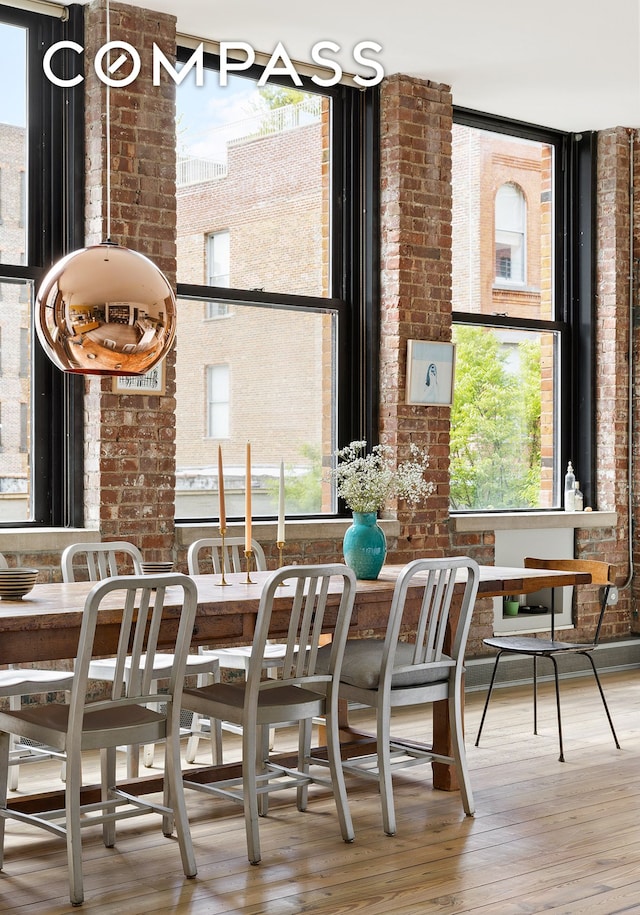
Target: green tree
x=495, y=422
x=278, y=96
x=302, y=491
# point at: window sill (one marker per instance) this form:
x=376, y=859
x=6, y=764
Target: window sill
x=515, y=521
x=55, y=539
x=266, y=531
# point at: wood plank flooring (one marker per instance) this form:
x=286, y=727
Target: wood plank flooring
x=546, y=837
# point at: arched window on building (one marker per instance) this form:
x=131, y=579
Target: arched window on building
x=510, y=226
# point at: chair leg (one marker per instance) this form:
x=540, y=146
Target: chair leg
x=604, y=701
x=107, y=781
x=74, y=836
x=557, y=681
x=215, y=726
x=535, y=695
x=249, y=792
x=263, y=744
x=174, y=793
x=383, y=739
x=15, y=702
x=4, y=780
x=486, y=702
x=304, y=751
x=337, y=777
x=456, y=716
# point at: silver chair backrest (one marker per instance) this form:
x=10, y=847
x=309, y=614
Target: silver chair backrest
x=437, y=580
x=102, y=560
x=315, y=599
x=206, y=554
x=142, y=600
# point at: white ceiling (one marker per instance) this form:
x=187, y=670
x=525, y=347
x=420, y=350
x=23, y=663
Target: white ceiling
x=568, y=64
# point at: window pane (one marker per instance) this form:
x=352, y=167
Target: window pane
x=15, y=401
x=281, y=398
x=218, y=401
x=502, y=224
x=13, y=146
x=503, y=419
x=506, y=414
x=253, y=163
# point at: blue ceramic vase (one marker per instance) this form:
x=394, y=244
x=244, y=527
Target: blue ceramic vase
x=365, y=545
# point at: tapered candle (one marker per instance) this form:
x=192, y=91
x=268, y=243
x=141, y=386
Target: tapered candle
x=247, y=502
x=223, y=514
x=280, y=537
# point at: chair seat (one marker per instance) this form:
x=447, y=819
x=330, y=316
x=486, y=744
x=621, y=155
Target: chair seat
x=361, y=666
x=103, y=668
x=49, y=723
x=24, y=681
x=238, y=656
x=531, y=645
x=227, y=700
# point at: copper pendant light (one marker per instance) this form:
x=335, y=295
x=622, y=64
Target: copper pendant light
x=105, y=309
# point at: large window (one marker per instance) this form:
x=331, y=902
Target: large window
x=515, y=301
x=511, y=225
x=270, y=237
x=39, y=470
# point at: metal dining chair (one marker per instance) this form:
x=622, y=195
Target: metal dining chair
x=122, y=718
x=603, y=574
x=99, y=561
x=208, y=555
x=300, y=694
x=15, y=684
x=388, y=673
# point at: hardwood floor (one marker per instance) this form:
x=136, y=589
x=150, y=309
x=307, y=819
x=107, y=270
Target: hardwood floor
x=546, y=837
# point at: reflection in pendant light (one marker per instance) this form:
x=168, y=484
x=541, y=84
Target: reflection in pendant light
x=105, y=309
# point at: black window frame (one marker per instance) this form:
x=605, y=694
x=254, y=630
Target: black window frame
x=574, y=294
x=55, y=144
x=355, y=285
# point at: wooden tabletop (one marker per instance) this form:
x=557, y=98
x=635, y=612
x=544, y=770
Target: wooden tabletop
x=45, y=624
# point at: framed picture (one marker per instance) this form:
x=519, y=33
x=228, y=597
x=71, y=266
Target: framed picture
x=152, y=382
x=430, y=370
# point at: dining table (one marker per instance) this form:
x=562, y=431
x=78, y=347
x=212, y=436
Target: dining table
x=45, y=625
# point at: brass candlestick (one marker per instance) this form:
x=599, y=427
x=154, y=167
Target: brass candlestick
x=280, y=545
x=248, y=580
x=223, y=556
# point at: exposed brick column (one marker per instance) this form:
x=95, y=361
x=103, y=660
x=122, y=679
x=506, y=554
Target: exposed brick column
x=130, y=439
x=416, y=204
x=612, y=334
x=617, y=318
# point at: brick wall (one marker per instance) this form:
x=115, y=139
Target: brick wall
x=130, y=439
x=612, y=363
x=415, y=164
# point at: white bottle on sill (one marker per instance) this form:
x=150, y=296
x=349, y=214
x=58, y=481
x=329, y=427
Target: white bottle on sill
x=569, y=489
x=578, y=498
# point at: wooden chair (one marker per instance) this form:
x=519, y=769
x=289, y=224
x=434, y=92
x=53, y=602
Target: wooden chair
x=299, y=694
x=17, y=682
x=123, y=718
x=99, y=561
x=387, y=674
x=603, y=574
x=206, y=554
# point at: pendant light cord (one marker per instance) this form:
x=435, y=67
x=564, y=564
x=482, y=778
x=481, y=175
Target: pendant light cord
x=108, y=128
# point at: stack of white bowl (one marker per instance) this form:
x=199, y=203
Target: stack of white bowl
x=15, y=583
x=155, y=567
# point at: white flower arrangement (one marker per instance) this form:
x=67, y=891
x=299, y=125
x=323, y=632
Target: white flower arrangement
x=367, y=481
